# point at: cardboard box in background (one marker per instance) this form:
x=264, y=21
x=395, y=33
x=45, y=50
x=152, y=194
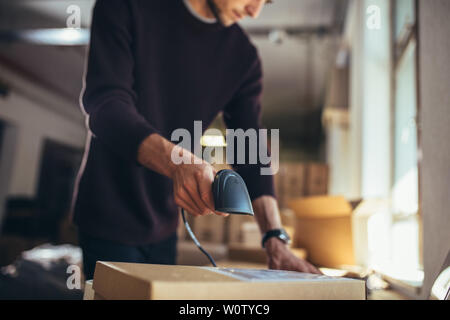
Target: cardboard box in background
x=234, y=227
x=291, y=182
x=210, y=228
x=324, y=228
x=287, y=217
x=181, y=230
x=251, y=236
x=161, y=282
x=189, y=254
x=243, y=253
x=88, y=290
x=277, y=185
x=295, y=180
x=244, y=229
x=316, y=179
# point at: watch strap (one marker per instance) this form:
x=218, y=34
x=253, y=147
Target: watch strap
x=278, y=233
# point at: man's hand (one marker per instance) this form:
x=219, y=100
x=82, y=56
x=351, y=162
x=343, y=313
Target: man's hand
x=281, y=258
x=192, y=179
x=192, y=188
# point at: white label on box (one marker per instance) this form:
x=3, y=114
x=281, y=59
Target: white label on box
x=258, y=275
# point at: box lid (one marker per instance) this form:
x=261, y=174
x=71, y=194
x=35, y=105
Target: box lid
x=318, y=207
x=114, y=280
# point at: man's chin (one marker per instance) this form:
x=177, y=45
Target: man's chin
x=227, y=22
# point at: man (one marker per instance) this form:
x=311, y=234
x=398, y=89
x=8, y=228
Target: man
x=155, y=66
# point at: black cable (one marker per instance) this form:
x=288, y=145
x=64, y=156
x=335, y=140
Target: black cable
x=191, y=234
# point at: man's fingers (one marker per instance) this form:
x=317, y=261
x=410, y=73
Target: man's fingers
x=185, y=198
x=305, y=266
x=204, y=185
x=310, y=268
x=196, y=203
x=314, y=269
x=223, y=214
x=187, y=208
x=202, y=197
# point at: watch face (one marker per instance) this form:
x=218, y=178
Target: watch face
x=284, y=236
x=280, y=234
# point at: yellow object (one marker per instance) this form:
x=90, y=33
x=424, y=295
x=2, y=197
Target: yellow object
x=324, y=228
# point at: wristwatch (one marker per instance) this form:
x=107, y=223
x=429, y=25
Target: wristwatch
x=278, y=233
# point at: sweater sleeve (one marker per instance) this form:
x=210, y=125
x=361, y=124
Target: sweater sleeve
x=244, y=112
x=109, y=99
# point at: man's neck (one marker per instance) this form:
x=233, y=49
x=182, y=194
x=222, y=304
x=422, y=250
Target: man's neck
x=201, y=10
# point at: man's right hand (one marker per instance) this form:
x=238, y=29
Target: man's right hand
x=192, y=188
x=192, y=180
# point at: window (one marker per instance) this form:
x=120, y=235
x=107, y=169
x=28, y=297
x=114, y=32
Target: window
x=405, y=227
x=384, y=140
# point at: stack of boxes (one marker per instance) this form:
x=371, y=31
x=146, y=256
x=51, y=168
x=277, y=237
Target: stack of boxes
x=295, y=180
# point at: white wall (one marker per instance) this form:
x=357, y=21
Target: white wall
x=32, y=115
x=434, y=113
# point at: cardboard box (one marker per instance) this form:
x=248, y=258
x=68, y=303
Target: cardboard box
x=161, y=282
x=324, y=229
x=239, y=252
x=295, y=180
x=277, y=185
x=88, y=291
x=235, y=222
x=292, y=182
x=251, y=236
x=316, y=179
x=287, y=217
x=189, y=254
x=210, y=228
x=181, y=229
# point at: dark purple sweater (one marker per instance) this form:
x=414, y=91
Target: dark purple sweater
x=152, y=68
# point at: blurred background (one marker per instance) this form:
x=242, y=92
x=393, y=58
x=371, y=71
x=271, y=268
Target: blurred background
x=359, y=90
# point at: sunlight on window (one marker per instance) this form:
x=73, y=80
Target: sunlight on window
x=405, y=194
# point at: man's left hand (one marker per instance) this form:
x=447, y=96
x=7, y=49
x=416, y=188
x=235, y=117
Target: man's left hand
x=282, y=258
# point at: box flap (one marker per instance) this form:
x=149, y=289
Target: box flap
x=147, y=281
x=120, y=280
x=321, y=207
